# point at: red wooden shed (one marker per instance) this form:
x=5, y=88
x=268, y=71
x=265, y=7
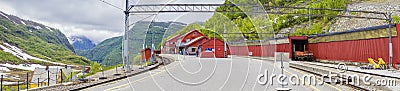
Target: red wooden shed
x=213, y=47
x=146, y=54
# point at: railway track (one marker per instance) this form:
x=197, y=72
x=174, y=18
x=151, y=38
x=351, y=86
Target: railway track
x=320, y=70
x=81, y=86
x=161, y=62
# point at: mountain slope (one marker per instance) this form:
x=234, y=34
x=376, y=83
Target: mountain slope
x=43, y=32
x=102, y=51
x=36, y=40
x=81, y=43
x=109, y=52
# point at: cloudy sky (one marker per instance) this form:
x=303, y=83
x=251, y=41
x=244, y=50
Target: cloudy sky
x=91, y=18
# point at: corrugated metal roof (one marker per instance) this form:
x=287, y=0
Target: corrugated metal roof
x=355, y=30
x=194, y=40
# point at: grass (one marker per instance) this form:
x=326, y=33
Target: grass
x=396, y=19
x=95, y=68
x=14, y=88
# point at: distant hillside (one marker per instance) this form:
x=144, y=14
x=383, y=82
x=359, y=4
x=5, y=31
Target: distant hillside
x=28, y=38
x=81, y=42
x=107, y=51
x=110, y=50
x=46, y=33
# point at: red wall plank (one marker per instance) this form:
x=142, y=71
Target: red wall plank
x=353, y=50
x=258, y=50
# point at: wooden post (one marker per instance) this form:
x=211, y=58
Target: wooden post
x=71, y=76
x=38, y=82
x=1, y=83
x=27, y=81
x=61, y=75
x=48, y=77
x=18, y=85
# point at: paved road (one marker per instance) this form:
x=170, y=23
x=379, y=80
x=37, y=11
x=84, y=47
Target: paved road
x=189, y=73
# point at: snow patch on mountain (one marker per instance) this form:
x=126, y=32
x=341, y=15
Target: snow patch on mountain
x=1, y=13
x=49, y=29
x=21, y=54
x=30, y=67
x=17, y=52
x=38, y=27
x=22, y=22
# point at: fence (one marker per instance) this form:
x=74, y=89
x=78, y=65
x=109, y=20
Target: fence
x=39, y=78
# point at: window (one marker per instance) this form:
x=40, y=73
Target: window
x=194, y=34
x=208, y=50
x=193, y=49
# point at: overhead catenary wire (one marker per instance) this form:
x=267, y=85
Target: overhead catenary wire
x=131, y=2
x=111, y=5
x=143, y=18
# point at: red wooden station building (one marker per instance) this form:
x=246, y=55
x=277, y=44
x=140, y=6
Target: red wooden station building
x=196, y=43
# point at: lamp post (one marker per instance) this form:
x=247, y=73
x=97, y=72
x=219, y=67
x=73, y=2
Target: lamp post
x=116, y=69
x=282, y=88
x=102, y=72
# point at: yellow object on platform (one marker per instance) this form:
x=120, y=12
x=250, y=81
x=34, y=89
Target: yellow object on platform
x=42, y=84
x=372, y=61
x=381, y=62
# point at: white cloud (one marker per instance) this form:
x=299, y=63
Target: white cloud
x=91, y=18
x=95, y=35
x=6, y=8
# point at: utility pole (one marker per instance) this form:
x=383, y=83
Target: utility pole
x=225, y=48
x=389, y=16
x=125, y=39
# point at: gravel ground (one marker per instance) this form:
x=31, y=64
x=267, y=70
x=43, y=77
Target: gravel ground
x=343, y=24
x=95, y=79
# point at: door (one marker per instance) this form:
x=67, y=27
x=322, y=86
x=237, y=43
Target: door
x=298, y=45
